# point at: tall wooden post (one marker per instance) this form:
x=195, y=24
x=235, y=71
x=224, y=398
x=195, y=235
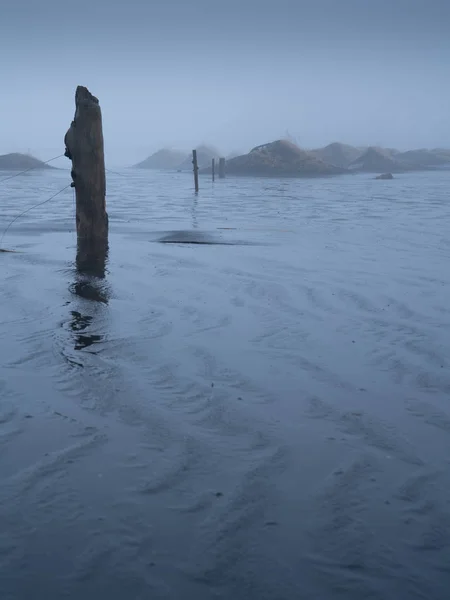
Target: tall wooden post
x=84, y=147
x=213, y=168
x=221, y=168
x=194, y=162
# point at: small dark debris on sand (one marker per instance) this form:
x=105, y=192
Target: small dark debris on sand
x=199, y=238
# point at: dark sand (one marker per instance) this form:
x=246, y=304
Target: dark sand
x=262, y=415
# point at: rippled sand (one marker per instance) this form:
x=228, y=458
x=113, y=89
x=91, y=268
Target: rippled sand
x=253, y=404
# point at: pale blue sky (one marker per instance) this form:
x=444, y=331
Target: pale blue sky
x=234, y=74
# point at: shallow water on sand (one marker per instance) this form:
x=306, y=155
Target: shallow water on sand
x=257, y=408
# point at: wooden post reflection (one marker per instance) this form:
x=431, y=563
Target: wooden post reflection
x=92, y=256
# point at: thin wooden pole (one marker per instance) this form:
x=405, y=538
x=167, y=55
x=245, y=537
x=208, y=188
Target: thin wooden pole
x=221, y=168
x=213, y=168
x=194, y=162
x=84, y=147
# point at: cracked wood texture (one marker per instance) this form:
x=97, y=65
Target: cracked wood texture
x=84, y=147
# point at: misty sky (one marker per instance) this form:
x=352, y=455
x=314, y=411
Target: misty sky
x=234, y=73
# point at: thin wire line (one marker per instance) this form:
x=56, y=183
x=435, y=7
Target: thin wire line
x=115, y=172
x=30, y=169
x=31, y=208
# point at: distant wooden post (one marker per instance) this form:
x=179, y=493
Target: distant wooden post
x=194, y=162
x=221, y=168
x=84, y=147
x=213, y=168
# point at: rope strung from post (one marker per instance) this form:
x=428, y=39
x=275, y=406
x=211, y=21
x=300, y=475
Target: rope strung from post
x=30, y=169
x=31, y=208
x=116, y=172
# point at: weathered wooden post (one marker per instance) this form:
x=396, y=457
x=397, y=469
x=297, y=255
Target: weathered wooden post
x=84, y=147
x=213, y=168
x=194, y=162
x=221, y=168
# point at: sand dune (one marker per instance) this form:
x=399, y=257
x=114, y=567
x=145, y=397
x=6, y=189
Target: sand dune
x=21, y=162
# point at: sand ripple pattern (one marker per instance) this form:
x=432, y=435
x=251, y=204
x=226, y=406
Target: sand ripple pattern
x=262, y=414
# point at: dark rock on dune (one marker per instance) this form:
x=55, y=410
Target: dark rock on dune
x=337, y=154
x=385, y=176
x=163, y=159
x=376, y=160
x=21, y=162
x=205, y=154
x=424, y=158
x=279, y=159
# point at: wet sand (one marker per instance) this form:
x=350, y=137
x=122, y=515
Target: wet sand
x=253, y=403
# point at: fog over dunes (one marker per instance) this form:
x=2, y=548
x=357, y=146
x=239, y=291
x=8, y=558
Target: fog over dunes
x=338, y=154
x=279, y=159
x=425, y=158
x=20, y=162
x=378, y=160
x=190, y=72
x=205, y=154
x=163, y=159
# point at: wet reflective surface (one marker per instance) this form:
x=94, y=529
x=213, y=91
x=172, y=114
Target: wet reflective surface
x=246, y=397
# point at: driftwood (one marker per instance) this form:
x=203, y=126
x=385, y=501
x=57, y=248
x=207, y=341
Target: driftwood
x=84, y=147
